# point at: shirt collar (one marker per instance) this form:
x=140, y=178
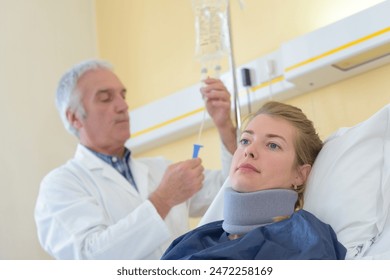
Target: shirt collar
x=111, y=159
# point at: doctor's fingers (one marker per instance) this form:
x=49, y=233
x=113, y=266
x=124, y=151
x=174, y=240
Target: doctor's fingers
x=194, y=174
x=193, y=185
x=186, y=185
x=213, y=84
x=186, y=192
x=216, y=93
x=193, y=163
x=182, y=166
x=186, y=170
x=218, y=104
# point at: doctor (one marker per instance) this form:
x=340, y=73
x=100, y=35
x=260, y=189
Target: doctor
x=104, y=204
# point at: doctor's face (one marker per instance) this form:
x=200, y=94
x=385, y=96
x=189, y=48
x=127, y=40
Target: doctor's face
x=265, y=157
x=105, y=128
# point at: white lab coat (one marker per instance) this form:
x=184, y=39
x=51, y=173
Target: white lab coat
x=88, y=210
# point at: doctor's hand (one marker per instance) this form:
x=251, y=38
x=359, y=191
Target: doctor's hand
x=217, y=100
x=218, y=105
x=179, y=183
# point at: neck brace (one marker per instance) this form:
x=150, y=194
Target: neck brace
x=244, y=212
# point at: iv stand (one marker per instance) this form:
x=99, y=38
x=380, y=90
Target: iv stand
x=236, y=103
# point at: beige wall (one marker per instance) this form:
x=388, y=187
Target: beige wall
x=40, y=39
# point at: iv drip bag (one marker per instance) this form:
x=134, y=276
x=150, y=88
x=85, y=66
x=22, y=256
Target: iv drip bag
x=211, y=29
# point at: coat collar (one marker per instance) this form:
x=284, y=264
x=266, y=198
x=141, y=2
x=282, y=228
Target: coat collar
x=93, y=163
x=88, y=159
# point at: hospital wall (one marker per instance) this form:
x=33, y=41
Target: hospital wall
x=151, y=43
x=40, y=39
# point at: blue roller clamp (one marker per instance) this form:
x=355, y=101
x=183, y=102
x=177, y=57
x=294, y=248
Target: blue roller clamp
x=196, y=150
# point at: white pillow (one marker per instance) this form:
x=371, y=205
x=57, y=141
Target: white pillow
x=349, y=185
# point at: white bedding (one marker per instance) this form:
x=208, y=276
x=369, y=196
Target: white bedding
x=349, y=185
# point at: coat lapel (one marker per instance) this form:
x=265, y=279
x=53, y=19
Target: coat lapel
x=94, y=164
x=141, y=177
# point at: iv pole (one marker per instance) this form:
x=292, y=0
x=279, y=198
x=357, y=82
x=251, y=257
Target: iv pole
x=237, y=112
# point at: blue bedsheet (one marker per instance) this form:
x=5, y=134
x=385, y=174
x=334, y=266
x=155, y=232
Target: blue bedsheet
x=302, y=236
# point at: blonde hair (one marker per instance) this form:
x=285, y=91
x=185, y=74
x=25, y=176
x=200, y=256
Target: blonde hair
x=307, y=143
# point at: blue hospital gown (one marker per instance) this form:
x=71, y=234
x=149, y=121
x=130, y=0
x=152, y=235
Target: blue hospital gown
x=301, y=237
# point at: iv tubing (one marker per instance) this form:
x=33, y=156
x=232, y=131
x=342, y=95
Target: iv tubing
x=203, y=76
x=202, y=123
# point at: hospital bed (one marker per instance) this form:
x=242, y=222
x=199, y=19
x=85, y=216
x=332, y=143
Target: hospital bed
x=349, y=187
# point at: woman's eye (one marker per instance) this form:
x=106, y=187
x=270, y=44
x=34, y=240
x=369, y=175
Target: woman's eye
x=273, y=146
x=244, y=141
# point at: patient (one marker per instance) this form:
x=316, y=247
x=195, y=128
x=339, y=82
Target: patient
x=263, y=215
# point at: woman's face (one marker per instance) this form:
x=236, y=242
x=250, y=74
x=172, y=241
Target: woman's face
x=265, y=157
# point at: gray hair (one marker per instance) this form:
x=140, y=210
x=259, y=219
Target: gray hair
x=68, y=97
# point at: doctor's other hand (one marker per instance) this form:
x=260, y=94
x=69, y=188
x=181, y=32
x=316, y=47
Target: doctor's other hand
x=217, y=100
x=218, y=105
x=180, y=182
